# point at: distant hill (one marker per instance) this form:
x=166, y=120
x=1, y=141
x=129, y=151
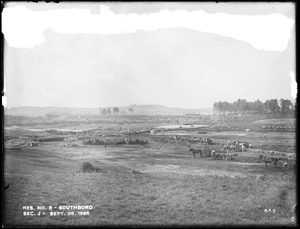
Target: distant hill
x=136, y=110
x=48, y=111
x=163, y=110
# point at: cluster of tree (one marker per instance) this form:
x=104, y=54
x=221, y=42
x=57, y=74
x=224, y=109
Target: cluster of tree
x=109, y=111
x=272, y=106
x=113, y=110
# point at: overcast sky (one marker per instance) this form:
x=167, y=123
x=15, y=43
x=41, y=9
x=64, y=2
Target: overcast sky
x=187, y=55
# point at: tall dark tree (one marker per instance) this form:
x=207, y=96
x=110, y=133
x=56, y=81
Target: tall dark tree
x=116, y=110
x=234, y=107
x=286, y=106
x=220, y=107
x=266, y=106
x=272, y=106
x=239, y=104
x=103, y=111
x=108, y=111
x=226, y=107
x=258, y=106
x=215, y=107
x=244, y=105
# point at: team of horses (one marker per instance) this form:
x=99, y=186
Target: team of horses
x=275, y=160
x=229, y=153
x=206, y=152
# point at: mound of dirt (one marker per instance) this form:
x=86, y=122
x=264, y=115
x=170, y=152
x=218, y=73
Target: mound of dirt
x=219, y=126
x=89, y=168
x=248, y=159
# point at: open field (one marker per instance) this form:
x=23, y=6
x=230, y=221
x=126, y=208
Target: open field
x=158, y=183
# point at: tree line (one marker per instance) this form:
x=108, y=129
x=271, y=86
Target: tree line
x=272, y=107
x=113, y=110
x=109, y=111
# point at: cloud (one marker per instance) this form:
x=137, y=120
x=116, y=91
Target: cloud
x=24, y=28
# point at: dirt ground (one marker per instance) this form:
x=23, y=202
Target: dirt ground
x=159, y=183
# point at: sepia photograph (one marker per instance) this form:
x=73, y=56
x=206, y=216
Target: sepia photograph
x=149, y=114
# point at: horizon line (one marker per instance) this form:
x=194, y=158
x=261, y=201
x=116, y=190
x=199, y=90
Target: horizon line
x=131, y=105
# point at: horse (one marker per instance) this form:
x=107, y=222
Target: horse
x=194, y=151
x=213, y=154
x=217, y=156
x=226, y=148
x=267, y=160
